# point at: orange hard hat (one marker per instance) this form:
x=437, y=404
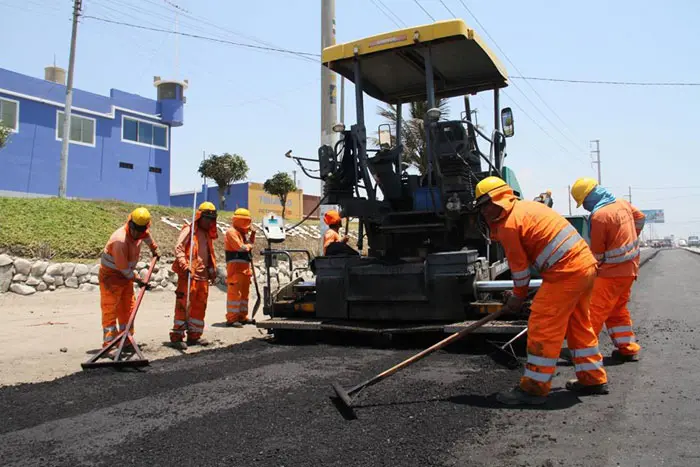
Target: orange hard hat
x=332, y=217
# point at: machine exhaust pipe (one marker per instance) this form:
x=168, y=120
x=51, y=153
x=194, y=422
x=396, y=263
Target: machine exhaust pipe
x=502, y=286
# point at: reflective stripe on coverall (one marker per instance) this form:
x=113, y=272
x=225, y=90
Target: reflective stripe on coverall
x=533, y=234
x=615, y=230
x=204, y=268
x=116, y=276
x=238, y=275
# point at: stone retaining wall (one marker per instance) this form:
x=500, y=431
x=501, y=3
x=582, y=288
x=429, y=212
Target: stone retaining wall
x=26, y=277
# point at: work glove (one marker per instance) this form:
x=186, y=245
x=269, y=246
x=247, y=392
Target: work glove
x=345, y=239
x=513, y=304
x=142, y=284
x=212, y=276
x=156, y=254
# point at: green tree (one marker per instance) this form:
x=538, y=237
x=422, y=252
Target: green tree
x=5, y=133
x=412, y=132
x=224, y=170
x=280, y=185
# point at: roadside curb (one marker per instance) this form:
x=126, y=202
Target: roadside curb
x=648, y=258
x=695, y=252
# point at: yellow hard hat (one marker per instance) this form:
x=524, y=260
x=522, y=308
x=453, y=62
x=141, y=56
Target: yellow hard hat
x=581, y=188
x=241, y=212
x=486, y=185
x=141, y=217
x=207, y=206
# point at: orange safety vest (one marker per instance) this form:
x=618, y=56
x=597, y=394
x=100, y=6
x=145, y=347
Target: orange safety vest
x=122, y=251
x=533, y=234
x=331, y=236
x=238, y=253
x=182, y=252
x=615, y=230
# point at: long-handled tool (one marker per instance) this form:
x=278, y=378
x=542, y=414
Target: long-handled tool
x=345, y=396
x=505, y=357
x=186, y=324
x=120, y=360
x=257, y=298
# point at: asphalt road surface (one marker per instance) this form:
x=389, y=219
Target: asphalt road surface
x=260, y=403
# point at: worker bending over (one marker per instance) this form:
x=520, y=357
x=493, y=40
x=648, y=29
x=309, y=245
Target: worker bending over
x=532, y=234
x=333, y=243
x=117, y=275
x=615, y=226
x=238, y=243
x=203, y=271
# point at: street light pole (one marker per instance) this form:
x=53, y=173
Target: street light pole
x=63, y=180
x=329, y=111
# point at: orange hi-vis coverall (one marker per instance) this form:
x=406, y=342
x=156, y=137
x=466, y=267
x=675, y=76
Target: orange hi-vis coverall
x=238, y=274
x=331, y=236
x=615, y=230
x=116, y=276
x=534, y=235
x=203, y=270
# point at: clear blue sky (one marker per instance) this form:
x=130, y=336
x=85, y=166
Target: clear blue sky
x=260, y=104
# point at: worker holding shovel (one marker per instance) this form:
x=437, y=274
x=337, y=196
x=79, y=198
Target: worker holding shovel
x=533, y=234
x=117, y=274
x=238, y=243
x=195, y=265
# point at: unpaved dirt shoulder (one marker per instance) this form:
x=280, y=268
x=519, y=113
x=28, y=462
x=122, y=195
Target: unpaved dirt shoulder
x=48, y=335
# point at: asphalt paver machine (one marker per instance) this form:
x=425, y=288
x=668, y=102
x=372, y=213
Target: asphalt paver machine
x=427, y=264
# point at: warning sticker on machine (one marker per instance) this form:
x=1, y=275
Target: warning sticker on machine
x=388, y=40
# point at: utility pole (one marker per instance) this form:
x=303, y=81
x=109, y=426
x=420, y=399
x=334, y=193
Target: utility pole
x=205, y=188
x=569, y=196
x=630, y=192
x=63, y=181
x=329, y=111
x=596, y=152
x=294, y=172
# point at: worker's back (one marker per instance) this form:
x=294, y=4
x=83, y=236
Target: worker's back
x=614, y=239
x=547, y=239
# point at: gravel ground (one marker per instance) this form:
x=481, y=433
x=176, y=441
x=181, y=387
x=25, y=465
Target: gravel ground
x=260, y=403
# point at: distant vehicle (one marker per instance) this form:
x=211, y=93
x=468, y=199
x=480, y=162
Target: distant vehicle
x=682, y=243
x=694, y=240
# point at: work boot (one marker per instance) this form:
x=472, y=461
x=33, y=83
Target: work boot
x=517, y=396
x=623, y=358
x=178, y=345
x=235, y=324
x=198, y=341
x=565, y=354
x=575, y=385
x=248, y=321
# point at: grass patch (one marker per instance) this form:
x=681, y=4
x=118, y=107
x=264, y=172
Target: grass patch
x=77, y=230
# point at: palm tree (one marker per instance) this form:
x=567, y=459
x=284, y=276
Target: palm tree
x=412, y=133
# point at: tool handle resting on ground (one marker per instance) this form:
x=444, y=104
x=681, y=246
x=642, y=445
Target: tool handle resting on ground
x=345, y=395
x=124, y=335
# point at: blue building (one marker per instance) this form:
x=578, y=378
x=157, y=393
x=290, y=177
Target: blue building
x=120, y=145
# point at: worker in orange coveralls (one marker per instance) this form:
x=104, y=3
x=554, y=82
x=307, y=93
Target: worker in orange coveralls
x=203, y=271
x=615, y=226
x=117, y=274
x=333, y=243
x=238, y=243
x=533, y=234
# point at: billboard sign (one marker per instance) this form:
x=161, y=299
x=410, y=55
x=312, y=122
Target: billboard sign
x=654, y=216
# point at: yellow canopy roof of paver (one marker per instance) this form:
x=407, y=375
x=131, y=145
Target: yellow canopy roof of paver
x=393, y=64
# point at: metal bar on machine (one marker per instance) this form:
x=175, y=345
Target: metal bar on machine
x=500, y=286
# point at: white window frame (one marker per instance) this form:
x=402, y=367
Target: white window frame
x=80, y=143
x=153, y=146
x=16, y=128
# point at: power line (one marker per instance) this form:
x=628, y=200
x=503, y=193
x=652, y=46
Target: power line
x=448, y=8
x=386, y=14
x=518, y=87
x=615, y=83
x=424, y=10
x=305, y=55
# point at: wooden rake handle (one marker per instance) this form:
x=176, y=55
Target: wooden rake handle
x=443, y=343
